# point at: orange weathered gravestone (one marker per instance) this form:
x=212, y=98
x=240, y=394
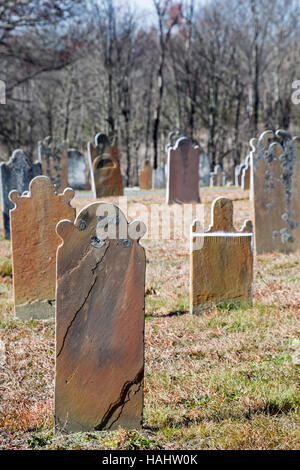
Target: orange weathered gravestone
x=105, y=171
x=34, y=244
x=146, y=177
x=53, y=155
x=221, y=260
x=99, y=321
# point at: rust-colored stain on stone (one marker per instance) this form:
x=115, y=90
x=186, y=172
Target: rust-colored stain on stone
x=221, y=260
x=146, y=177
x=105, y=171
x=99, y=322
x=34, y=244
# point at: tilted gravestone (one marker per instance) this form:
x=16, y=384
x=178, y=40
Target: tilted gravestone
x=34, y=243
x=158, y=178
x=100, y=321
x=276, y=191
x=16, y=174
x=53, y=155
x=146, y=177
x=246, y=174
x=183, y=172
x=105, y=172
x=221, y=260
x=76, y=169
x=217, y=177
x=204, y=169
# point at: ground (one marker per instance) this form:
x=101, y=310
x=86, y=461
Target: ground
x=224, y=380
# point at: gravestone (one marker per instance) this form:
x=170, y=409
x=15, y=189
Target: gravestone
x=242, y=166
x=100, y=325
x=204, y=169
x=217, y=177
x=53, y=155
x=105, y=171
x=146, y=177
x=158, y=178
x=15, y=174
x=76, y=169
x=221, y=260
x=276, y=191
x=34, y=243
x=183, y=171
x=236, y=175
x=246, y=174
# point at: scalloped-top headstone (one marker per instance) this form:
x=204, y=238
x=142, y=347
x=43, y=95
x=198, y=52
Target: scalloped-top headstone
x=221, y=260
x=183, y=172
x=217, y=177
x=146, y=177
x=53, y=155
x=276, y=191
x=105, y=171
x=99, y=321
x=76, y=169
x=34, y=244
x=16, y=174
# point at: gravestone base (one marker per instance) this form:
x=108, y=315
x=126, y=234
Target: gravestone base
x=37, y=310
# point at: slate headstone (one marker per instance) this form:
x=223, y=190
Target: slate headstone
x=76, y=169
x=204, y=169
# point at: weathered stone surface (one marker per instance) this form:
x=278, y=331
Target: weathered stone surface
x=34, y=244
x=104, y=162
x=240, y=169
x=276, y=190
x=246, y=174
x=99, y=321
x=183, y=172
x=146, y=177
x=221, y=260
x=217, y=177
x=76, y=169
x=204, y=169
x=15, y=174
x=53, y=155
x=158, y=178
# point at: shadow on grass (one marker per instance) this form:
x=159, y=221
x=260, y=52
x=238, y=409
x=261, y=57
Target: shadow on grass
x=175, y=313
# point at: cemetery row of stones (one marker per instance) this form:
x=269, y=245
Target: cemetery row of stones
x=93, y=279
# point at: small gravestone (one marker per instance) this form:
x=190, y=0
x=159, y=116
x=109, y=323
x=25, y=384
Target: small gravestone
x=276, y=191
x=221, y=260
x=76, y=169
x=16, y=174
x=217, y=177
x=240, y=173
x=146, y=177
x=236, y=175
x=34, y=244
x=204, y=169
x=158, y=178
x=53, y=155
x=183, y=171
x=99, y=321
x=105, y=171
x=246, y=174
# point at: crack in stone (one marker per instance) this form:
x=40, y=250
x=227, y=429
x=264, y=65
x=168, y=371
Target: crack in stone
x=121, y=402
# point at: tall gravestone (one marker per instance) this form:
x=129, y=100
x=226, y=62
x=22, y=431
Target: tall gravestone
x=16, y=174
x=221, y=260
x=204, y=169
x=34, y=243
x=53, y=155
x=183, y=172
x=217, y=177
x=146, y=177
x=100, y=322
x=76, y=169
x=246, y=174
x=105, y=171
x=275, y=160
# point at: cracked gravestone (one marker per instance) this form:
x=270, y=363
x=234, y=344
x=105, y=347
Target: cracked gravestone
x=53, y=155
x=16, y=174
x=183, y=172
x=105, y=171
x=34, y=243
x=217, y=177
x=146, y=177
x=76, y=169
x=221, y=260
x=276, y=191
x=246, y=174
x=100, y=325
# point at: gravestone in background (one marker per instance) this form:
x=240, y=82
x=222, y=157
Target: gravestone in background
x=146, y=177
x=246, y=174
x=204, y=169
x=183, y=171
x=34, y=243
x=16, y=174
x=53, y=155
x=221, y=260
x=158, y=178
x=275, y=160
x=76, y=169
x=105, y=171
x=100, y=323
x=217, y=177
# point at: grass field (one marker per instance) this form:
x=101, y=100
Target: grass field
x=228, y=379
